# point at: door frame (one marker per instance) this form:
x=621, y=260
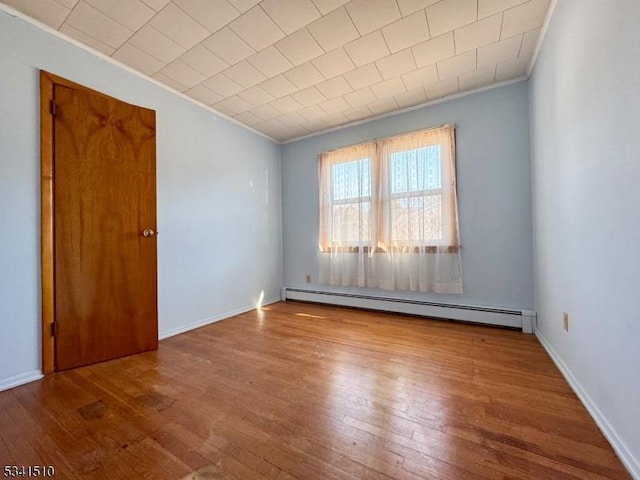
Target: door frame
x=48, y=82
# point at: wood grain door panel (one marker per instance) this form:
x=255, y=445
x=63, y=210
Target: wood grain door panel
x=104, y=197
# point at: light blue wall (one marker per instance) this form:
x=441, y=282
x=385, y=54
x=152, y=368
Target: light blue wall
x=219, y=210
x=585, y=124
x=494, y=195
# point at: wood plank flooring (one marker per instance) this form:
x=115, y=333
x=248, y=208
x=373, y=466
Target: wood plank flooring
x=300, y=391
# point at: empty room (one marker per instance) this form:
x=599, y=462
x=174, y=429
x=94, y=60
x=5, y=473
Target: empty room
x=319, y=239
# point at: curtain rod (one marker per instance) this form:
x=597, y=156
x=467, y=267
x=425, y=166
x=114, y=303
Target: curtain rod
x=390, y=136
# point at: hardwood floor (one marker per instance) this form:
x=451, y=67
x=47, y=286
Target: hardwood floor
x=299, y=391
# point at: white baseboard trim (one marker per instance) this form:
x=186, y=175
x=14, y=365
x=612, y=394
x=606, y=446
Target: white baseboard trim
x=171, y=332
x=7, y=383
x=630, y=462
x=505, y=317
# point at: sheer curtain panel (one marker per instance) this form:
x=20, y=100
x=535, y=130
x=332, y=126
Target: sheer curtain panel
x=389, y=216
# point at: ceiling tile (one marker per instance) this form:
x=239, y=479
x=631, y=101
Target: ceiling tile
x=179, y=26
x=458, y=65
x=336, y=87
x=358, y=113
x=299, y=47
x=511, y=69
x=336, y=119
x=212, y=14
x=407, y=32
x=265, y=112
x=529, y=43
x=309, y=96
x=290, y=15
x=150, y=40
x=360, y=97
x=333, y=63
x=291, y=119
x=304, y=75
x=499, y=52
x=367, y=49
x=204, y=61
x=228, y=46
x=316, y=124
x=434, y=50
x=421, y=77
x=369, y=15
x=244, y=5
x=222, y=85
x=130, y=13
x=450, y=14
x=86, y=39
x=384, y=105
x=96, y=24
x=278, y=86
x=256, y=95
x=524, y=17
x=286, y=104
x=363, y=76
x=270, y=62
x=333, y=30
x=256, y=28
x=183, y=73
x=334, y=105
x=245, y=74
x=411, y=98
x=47, y=11
x=136, y=58
x=312, y=112
x=478, y=34
x=388, y=88
x=203, y=95
x=407, y=7
x=248, y=118
x=170, y=82
x=157, y=5
x=487, y=8
x=67, y=3
x=396, y=64
x=479, y=78
x=443, y=88
x=234, y=104
x=326, y=6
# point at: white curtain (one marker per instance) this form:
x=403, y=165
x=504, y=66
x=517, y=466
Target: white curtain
x=388, y=214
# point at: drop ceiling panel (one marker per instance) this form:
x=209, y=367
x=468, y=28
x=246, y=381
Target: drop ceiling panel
x=406, y=32
x=290, y=15
x=293, y=67
x=212, y=14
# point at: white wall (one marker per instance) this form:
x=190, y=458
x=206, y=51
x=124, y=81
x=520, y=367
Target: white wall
x=494, y=193
x=219, y=203
x=585, y=124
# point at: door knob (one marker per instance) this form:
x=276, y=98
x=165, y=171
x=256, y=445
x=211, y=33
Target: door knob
x=148, y=233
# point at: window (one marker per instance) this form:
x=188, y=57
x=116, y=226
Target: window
x=388, y=214
x=389, y=194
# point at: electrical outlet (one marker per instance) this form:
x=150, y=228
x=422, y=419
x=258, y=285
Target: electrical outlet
x=308, y=278
x=565, y=321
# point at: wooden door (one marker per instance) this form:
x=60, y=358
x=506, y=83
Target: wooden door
x=104, y=197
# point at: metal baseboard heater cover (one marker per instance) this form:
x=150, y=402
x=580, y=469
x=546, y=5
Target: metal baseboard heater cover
x=521, y=319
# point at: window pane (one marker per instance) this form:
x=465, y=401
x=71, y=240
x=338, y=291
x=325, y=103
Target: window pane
x=351, y=222
x=416, y=170
x=351, y=179
x=416, y=218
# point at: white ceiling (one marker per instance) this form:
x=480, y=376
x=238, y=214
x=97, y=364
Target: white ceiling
x=288, y=68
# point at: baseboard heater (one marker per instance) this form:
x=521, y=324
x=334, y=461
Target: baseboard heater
x=521, y=319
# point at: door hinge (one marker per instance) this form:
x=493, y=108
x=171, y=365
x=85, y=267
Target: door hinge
x=54, y=329
x=53, y=108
